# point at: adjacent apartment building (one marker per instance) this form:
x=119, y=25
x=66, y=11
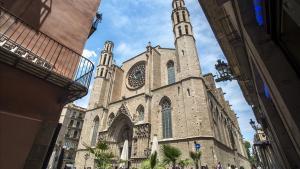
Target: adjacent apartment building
x=261, y=41
x=41, y=70
x=71, y=121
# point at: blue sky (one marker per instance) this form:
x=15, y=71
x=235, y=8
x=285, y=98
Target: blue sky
x=131, y=24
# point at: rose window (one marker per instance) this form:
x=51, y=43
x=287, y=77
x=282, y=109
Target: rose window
x=136, y=76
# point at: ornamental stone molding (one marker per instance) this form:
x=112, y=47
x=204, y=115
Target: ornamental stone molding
x=142, y=130
x=123, y=110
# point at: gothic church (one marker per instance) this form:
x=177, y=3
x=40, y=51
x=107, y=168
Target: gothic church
x=161, y=93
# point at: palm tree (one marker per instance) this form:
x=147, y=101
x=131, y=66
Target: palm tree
x=184, y=163
x=103, y=158
x=152, y=162
x=171, y=155
x=195, y=156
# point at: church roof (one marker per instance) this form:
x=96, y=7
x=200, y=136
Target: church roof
x=156, y=47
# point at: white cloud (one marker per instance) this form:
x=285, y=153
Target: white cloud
x=89, y=53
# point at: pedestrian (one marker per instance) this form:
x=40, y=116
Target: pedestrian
x=228, y=167
x=219, y=166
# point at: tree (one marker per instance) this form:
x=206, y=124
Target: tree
x=248, y=146
x=251, y=158
x=184, y=163
x=152, y=162
x=195, y=156
x=171, y=155
x=103, y=157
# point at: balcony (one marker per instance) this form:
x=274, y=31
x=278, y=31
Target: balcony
x=229, y=30
x=34, y=52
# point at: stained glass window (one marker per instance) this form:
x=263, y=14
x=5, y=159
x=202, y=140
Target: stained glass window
x=136, y=76
x=166, y=118
x=141, y=112
x=171, y=72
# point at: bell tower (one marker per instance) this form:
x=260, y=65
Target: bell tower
x=103, y=75
x=187, y=56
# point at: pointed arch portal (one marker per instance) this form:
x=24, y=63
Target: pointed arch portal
x=121, y=129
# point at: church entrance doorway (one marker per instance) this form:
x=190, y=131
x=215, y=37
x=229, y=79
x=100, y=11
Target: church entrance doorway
x=121, y=133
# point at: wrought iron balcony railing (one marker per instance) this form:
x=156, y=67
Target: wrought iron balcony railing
x=44, y=56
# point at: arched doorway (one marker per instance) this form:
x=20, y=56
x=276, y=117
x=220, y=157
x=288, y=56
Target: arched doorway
x=121, y=129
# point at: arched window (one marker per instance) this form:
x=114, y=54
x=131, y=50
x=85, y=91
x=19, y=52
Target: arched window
x=141, y=112
x=106, y=73
x=171, y=72
x=186, y=29
x=104, y=59
x=95, y=131
x=177, y=17
x=183, y=16
x=179, y=30
x=78, y=124
x=166, y=118
x=71, y=123
x=75, y=134
x=101, y=72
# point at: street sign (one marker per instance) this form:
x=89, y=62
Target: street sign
x=197, y=146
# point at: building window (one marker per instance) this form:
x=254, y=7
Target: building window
x=95, y=131
x=141, y=112
x=75, y=134
x=171, y=72
x=106, y=73
x=78, y=124
x=177, y=17
x=71, y=123
x=101, y=72
x=104, y=59
x=183, y=16
x=186, y=29
x=179, y=30
x=166, y=118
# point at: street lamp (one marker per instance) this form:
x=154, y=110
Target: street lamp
x=97, y=19
x=253, y=125
x=224, y=71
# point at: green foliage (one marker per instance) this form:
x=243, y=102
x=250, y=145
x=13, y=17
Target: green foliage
x=103, y=158
x=171, y=154
x=251, y=158
x=152, y=163
x=184, y=163
x=153, y=160
x=196, y=156
x=247, y=146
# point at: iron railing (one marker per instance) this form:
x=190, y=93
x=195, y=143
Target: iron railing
x=39, y=49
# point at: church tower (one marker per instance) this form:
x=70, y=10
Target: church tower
x=99, y=94
x=187, y=56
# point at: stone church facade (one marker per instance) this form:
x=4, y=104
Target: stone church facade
x=161, y=92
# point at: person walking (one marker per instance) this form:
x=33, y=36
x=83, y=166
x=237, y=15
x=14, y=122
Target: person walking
x=219, y=166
